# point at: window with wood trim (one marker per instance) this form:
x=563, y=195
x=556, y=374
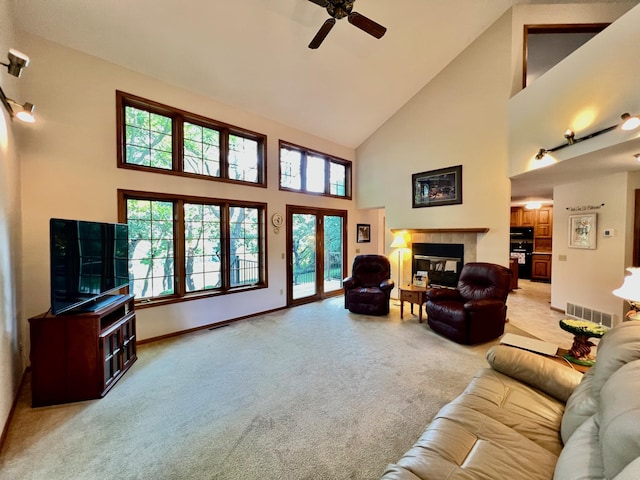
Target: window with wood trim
x=159, y=138
x=304, y=170
x=183, y=247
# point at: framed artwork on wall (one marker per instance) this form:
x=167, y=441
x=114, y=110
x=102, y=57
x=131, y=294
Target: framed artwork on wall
x=582, y=230
x=363, y=233
x=437, y=187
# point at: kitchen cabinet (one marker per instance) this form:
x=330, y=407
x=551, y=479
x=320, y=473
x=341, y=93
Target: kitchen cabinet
x=543, y=227
x=521, y=217
x=541, y=267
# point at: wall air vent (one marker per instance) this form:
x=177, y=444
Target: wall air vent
x=589, y=314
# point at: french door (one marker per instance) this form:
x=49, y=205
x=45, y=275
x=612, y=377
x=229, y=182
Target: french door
x=316, y=242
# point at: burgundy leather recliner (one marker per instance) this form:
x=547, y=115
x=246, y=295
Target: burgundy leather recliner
x=474, y=312
x=368, y=289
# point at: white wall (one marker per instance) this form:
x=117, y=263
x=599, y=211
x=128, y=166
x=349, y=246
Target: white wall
x=586, y=92
x=11, y=362
x=69, y=171
x=464, y=116
x=458, y=118
x=587, y=277
x=558, y=14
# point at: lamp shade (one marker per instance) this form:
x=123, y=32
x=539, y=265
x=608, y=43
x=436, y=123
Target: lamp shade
x=630, y=289
x=399, y=241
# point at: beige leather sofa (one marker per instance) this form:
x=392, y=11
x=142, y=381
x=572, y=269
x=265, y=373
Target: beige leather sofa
x=528, y=417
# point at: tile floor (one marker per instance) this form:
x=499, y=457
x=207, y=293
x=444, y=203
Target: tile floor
x=529, y=308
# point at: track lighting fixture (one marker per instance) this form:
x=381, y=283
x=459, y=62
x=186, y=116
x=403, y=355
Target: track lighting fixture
x=570, y=136
x=23, y=112
x=628, y=123
x=17, y=61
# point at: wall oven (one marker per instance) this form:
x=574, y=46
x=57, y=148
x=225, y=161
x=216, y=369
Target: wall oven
x=521, y=247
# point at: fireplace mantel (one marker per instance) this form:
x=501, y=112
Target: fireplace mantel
x=440, y=230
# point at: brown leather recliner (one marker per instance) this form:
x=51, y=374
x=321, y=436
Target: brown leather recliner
x=474, y=312
x=368, y=289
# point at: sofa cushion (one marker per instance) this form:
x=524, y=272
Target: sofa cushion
x=367, y=295
x=462, y=443
x=580, y=406
x=528, y=411
x=580, y=459
x=396, y=472
x=542, y=373
x=496, y=427
x=619, y=413
x=617, y=347
x=631, y=471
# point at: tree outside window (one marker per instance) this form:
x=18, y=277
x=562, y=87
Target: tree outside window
x=220, y=245
x=159, y=138
x=312, y=172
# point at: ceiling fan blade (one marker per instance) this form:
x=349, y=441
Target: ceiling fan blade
x=322, y=3
x=367, y=25
x=322, y=33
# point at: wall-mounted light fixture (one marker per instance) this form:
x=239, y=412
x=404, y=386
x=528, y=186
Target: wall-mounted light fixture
x=628, y=123
x=23, y=112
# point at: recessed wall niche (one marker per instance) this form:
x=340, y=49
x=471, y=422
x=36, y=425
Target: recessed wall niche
x=547, y=45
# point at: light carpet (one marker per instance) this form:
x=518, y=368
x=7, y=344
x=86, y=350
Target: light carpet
x=312, y=392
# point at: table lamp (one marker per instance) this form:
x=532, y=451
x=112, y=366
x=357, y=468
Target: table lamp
x=630, y=291
x=400, y=243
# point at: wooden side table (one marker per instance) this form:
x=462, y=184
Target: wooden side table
x=413, y=295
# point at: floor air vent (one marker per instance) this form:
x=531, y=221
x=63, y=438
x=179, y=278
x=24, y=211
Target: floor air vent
x=584, y=313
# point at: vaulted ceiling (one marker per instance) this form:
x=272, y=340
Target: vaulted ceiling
x=253, y=54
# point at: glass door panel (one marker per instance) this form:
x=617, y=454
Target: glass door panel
x=333, y=252
x=315, y=253
x=303, y=254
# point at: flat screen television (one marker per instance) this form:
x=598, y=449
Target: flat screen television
x=89, y=260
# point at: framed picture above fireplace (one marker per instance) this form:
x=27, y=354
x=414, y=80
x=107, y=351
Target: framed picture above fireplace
x=437, y=187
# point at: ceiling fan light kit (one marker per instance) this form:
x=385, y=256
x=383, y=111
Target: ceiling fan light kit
x=339, y=9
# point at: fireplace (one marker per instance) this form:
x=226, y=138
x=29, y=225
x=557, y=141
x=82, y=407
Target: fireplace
x=441, y=261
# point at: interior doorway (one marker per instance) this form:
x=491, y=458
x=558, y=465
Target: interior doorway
x=316, y=242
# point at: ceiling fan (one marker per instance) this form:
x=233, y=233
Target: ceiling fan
x=344, y=8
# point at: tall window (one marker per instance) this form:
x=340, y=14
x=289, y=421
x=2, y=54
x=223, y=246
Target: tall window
x=159, y=138
x=244, y=245
x=201, y=150
x=203, y=247
x=307, y=171
x=183, y=247
x=151, y=247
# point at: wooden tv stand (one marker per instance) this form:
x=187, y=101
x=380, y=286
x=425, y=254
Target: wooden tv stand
x=81, y=356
